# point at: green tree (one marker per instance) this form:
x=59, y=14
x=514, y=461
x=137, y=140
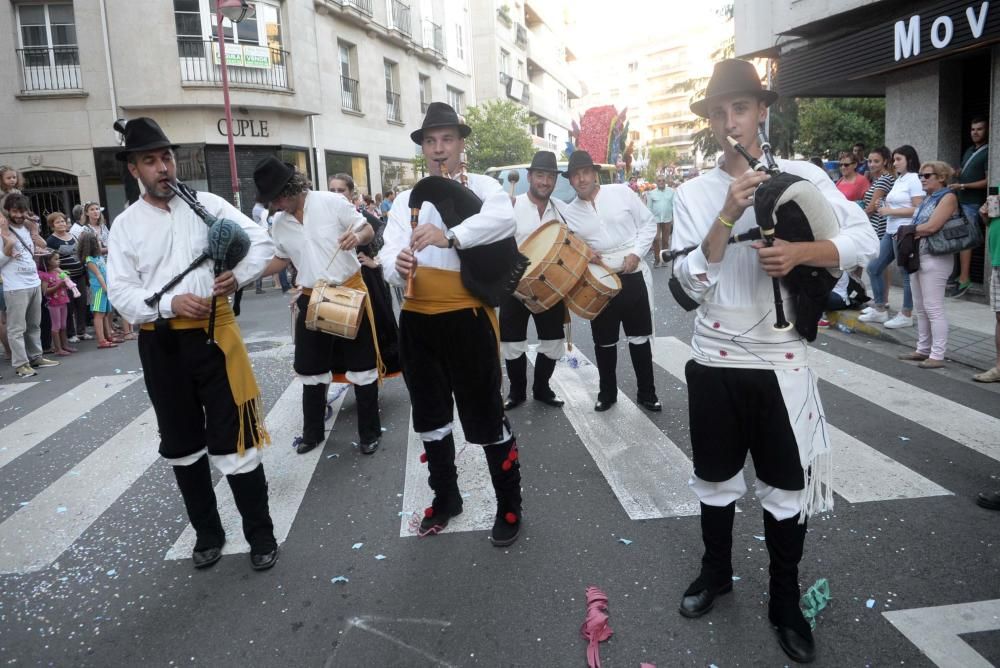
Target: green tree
x=830, y=125
x=499, y=135
x=659, y=156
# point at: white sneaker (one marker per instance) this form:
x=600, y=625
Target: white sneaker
x=25, y=371
x=899, y=321
x=874, y=316
x=866, y=310
x=73, y=339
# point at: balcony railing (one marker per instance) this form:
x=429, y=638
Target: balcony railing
x=248, y=65
x=50, y=69
x=434, y=38
x=392, y=108
x=521, y=36
x=401, y=17
x=363, y=6
x=350, y=98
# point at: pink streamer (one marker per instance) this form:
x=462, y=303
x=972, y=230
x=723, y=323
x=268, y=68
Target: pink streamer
x=595, y=626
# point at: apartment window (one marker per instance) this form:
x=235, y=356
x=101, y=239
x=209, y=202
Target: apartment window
x=350, y=94
x=196, y=20
x=350, y=163
x=392, y=106
x=459, y=42
x=48, y=52
x=538, y=129
x=552, y=139
x=456, y=99
x=504, y=62
x=563, y=98
x=425, y=92
x=633, y=66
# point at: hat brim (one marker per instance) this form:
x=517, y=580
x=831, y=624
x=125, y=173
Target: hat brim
x=123, y=155
x=272, y=193
x=701, y=106
x=545, y=169
x=594, y=167
x=418, y=135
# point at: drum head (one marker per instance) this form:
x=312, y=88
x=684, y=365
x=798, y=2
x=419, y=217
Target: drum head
x=541, y=241
x=604, y=276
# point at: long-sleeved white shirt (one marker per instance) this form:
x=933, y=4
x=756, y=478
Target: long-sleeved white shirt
x=527, y=219
x=494, y=222
x=149, y=246
x=312, y=243
x=615, y=224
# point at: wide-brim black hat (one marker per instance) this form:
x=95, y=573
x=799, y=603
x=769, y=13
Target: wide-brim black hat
x=733, y=77
x=544, y=161
x=141, y=134
x=271, y=176
x=440, y=115
x=577, y=160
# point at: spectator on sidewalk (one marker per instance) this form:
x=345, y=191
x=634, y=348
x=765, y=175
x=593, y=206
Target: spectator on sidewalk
x=851, y=184
x=57, y=295
x=898, y=208
x=387, y=204
x=971, y=190
x=881, y=178
x=64, y=245
x=940, y=206
x=858, y=151
x=93, y=221
x=89, y=251
x=661, y=202
x=993, y=246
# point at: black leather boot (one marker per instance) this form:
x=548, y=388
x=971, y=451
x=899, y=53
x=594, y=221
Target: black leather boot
x=517, y=380
x=195, y=483
x=607, y=364
x=369, y=423
x=716, y=575
x=250, y=495
x=505, y=471
x=313, y=417
x=642, y=362
x=540, y=390
x=443, y=479
x=785, y=541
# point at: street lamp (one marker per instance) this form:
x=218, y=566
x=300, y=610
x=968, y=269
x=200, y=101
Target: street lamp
x=235, y=11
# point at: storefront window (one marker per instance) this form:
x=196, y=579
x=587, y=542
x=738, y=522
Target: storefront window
x=397, y=174
x=348, y=163
x=300, y=158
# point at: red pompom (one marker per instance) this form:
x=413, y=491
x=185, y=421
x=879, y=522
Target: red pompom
x=716, y=325
x=506, y=465
x=429, y=511
x=789, y=356
x=423, y=457
x=510, y=518
x=512, y=456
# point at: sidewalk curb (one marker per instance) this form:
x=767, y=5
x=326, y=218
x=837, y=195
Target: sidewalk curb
x=851, y=319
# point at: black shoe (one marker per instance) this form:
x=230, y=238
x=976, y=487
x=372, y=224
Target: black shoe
x=653, y=406
x=795, y=638
x=207, y=557
x=989, y=500
x=369, y=448
x=506, y=529
x=702, y=600
x=262, y=562
x=301, y=446
x=436, y=521
x=512, y=402
x=552, y=399
x=602, y=406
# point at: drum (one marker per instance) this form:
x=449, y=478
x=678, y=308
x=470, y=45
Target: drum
x=598, y=285
x=558, y=259
x=335, y=310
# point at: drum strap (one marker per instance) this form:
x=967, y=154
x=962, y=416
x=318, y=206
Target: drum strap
x=442, y=291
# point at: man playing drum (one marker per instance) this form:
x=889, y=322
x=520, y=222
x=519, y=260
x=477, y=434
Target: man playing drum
x=448, y=337
x=749, y=384
x=531, y=210
x=317, y=231
x=619, y=230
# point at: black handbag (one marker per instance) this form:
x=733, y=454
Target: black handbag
x=957, y=234
x=908, y=247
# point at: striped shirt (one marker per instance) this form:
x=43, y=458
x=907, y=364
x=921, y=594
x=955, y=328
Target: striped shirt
x=883, y=183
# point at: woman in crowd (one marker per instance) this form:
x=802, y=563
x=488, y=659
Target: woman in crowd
x=882, y=178
x=64, y=244
x=899, y=205
x=940, y=206
x=851, y=184
x=89, y=252
x=93, y=221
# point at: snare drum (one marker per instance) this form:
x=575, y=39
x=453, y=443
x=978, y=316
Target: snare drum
x=592, y=294
x=558, y=261
x=335, y=310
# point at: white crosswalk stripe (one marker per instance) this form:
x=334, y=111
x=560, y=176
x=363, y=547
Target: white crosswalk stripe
x=13, y=389
x=860, y=472
x=38, y=425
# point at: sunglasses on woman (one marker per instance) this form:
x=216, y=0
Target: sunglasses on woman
x=927, y=175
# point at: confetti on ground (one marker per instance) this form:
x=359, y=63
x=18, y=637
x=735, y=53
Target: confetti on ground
x=870, y=603
x=736, y=578
x=759, y=537
x=339, y=578
x=356, y=546
x=904, y=438
x=112, y=572
x=595, y=627
x=814, y=600
x=333, y=456
x=379, y=557
x=624, y=541
x=61, y=509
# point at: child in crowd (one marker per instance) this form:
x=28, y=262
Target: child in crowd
x=89, y=251
x=11, y=182
x=55, y=290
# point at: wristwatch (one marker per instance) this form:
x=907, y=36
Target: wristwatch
x=450, y=236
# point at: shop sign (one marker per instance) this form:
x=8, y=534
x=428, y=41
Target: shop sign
x=244, y=55
x=244, y=127
x=941, y=32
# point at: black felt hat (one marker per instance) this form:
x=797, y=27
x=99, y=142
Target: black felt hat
x=440, y=115
x=577, y=160
x=141, y=134
x=271, y=176
x=733, y=77
x=544, y=161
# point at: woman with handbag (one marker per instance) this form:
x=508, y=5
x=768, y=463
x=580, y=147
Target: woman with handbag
x=928, y=284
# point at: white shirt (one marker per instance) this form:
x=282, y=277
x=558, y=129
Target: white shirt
x=19, y=272
x=526, y=216
x=103, y=233
x=615, y=224
x=150, y=246
x=312, y=244
x=904, y=189
x=495, y=221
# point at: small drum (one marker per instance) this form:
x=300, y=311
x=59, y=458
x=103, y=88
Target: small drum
x=558, y=261
x=598, y=285
x=335, y=310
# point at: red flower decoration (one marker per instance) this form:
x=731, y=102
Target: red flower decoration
x=723, y=353
x=716, y=325
x=789, y=356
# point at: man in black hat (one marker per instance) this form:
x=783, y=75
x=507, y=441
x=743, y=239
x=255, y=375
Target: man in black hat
x=531, y=210
x=749, y=385
x=448, y=336
x=318, y=232
x=206, y=398
x=619, y=229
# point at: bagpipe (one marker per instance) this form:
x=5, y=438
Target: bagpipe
x=790, y=208
x=490, y=272
x=228, y=244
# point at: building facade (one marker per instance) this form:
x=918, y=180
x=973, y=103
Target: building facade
x=936, y=62
x=329, y=85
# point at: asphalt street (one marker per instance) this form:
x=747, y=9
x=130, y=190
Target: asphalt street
x=95, y=569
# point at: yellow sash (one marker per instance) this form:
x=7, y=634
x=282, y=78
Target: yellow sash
x=356, y=282
x=242, y=383
x=439, y=291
